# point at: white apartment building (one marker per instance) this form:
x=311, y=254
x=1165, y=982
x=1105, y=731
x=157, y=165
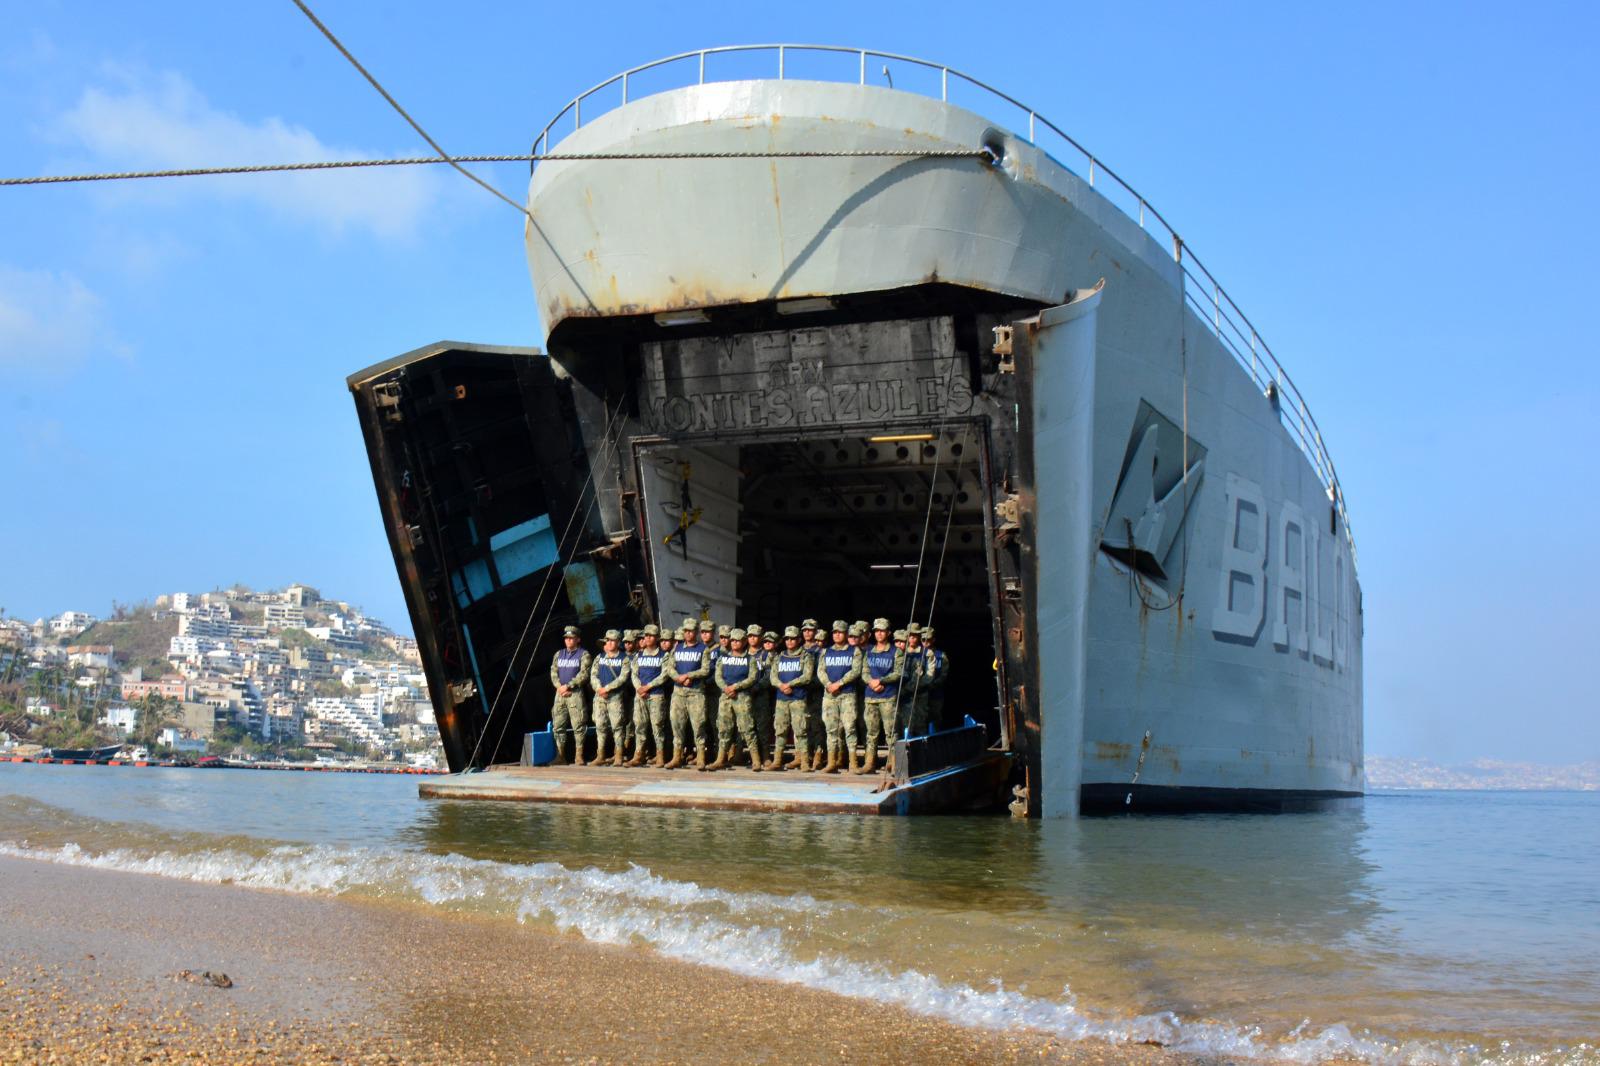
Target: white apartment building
x=204, y=625
x=284, y=616
x=118, y=717
x=181, y=602
x=348, y=718
x=70, y=623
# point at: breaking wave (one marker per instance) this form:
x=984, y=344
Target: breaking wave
x=723, y=929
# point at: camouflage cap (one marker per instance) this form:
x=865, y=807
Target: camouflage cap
x=735, y=634
x=900, y=634
x=708, y=626
x=722, y=631
x=880, y=623
x=571, y=631
x=810, y=623
x=840, y=626
x=690, y=624
x=770, y=637
x=914, y=630
x=858, y=629
x=792, y=631
x=612, y=634
x=754, y=630
x=862, y=623
x=630, y=634
x=927, y=634
x=651, y=630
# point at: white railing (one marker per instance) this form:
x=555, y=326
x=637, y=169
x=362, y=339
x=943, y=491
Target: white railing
x=1204, y=293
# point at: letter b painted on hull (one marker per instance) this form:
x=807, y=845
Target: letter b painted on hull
x=1241, y=599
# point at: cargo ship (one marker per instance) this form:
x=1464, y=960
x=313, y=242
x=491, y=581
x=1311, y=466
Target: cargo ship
x=840, y=333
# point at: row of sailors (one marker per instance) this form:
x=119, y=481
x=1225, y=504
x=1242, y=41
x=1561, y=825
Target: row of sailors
x=818, y=693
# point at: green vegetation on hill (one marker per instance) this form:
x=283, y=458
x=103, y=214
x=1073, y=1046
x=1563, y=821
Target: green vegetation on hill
x=139, y=640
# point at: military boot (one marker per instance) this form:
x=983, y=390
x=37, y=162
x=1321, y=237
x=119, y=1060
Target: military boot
x=872, y=760
x=798, y=762
x=832, y=765
x=776, y=762
x=849, y=762
x=616, y=760
x=661, y=758
x=562, y=749
x=638, y=753
x=721, y=763
x=599, y=751
x=756, y=765
x=699, y=756
x=817, y=759
x=674, y=763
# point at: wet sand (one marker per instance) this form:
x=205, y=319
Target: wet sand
x=90, y=958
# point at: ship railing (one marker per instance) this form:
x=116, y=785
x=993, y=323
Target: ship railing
x=822, y=62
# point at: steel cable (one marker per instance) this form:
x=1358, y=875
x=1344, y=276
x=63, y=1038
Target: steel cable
x=555, y=157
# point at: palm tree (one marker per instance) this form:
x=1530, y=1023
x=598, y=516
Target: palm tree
x=156, y=712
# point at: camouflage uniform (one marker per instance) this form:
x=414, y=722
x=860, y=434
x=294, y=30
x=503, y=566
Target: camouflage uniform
x=630, y=644
x=914, y=689
x=691, y=663
x=886, y=665
x=796, y=669
x=569, y=714
x=936, y=671
x=611, y=672
x=815, y=734
x=650, y=722
x=839, y=664
x=735, y=711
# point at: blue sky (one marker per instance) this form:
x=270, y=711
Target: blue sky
x=1401, y=196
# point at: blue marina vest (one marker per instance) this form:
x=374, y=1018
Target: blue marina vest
x=686, y=657
x=567, y=663
x=836, y=662
x=735, y=667
x=609, y=668
x=647, y=665
x=879, y=663
x=789, y=668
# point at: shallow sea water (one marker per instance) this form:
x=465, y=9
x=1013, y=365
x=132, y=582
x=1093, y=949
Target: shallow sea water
x=1413, y=927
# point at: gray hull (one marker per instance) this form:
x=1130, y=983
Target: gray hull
x=1157, y=543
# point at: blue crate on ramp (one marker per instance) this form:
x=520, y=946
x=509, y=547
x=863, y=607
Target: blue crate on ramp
x=539, y=749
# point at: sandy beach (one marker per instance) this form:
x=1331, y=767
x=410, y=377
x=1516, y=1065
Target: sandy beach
x=91, y=958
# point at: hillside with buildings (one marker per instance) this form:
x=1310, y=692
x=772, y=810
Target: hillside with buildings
x=285, y=672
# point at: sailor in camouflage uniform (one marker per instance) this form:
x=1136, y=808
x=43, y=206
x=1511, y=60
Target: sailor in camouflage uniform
x=687, y=669
x=630, y=644
x=774, y=732
x=936, y=670
x=569, y=715
x=815, y=735
x=609, y=678
x=650, y=720
x=735, y=676
x=883, y=666
x=914, y=689
x=838, y=671
x=790, y=674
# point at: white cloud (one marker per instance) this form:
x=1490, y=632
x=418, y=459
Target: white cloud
x=164, y=122
x=51, y=322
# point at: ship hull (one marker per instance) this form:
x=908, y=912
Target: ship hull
x=1162, y=580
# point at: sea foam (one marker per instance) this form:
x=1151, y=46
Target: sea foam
x=732, y=931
